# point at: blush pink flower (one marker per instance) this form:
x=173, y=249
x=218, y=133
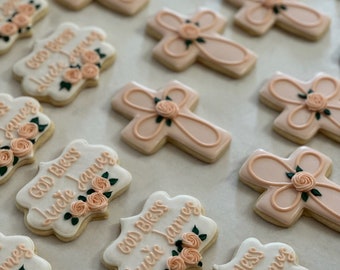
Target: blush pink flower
x=21, y=147
x=100, y=184
x=90, y=57
x=28, y=131
x=191, y=240
x=176, y=263
x=89, y=71
x=97, y=201
x=21, y=20
x=79, y=208
x=6, y=157
x=191, y=256
x=72, y=75
x=8, y=29
x=26, y=9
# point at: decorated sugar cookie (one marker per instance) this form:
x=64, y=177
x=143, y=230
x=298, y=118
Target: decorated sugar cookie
x=307, y=107
x=293, y=186
x=165, y=115
x=127, y=7
x=64, y=63
x=252, y=255
x=17, y=18
x=23, y=128
x=258, y=16
x=18, y=252
x=169, y=233
x=187, y=39
x=72, y=190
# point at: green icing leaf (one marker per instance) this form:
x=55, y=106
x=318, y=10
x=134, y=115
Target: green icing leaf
x=107, y=194
x=3, y=170
x=82, y=198
x=32, y=141
x=202, y=236
x=156, y=100
x=304, y=196
x=303, y=96
x=174, y=253
x=298, y=168
x=310, y=91
x=168, y=98
x=101, y=55
x=317, y=115
x=74, y=221
x=37, y=6
x=105, y=175
x=15, y=160
x=195, y=230
x=200, y=40
x=276, y=9
x=159, y=119
x=41, y=128
x=327, y=112
x=200, y=264
x=290, y=175
x=188, y=42
x=35, y=120
x=65, y=85
x=90, y=191
x=113, y=181
x=67, y=216
x=168, y=122
x=6, y=147
x=315, y=192
x=22, y=267
x=283, y=7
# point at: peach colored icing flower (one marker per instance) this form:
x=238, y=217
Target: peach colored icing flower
x=191, y=240
x=8, y=29
x=191, y=256
x=176, y=263
x=303, y=181
x=6, y=157
x=97, y=201
x=79, y=208
x=189, y=31
x=72, y=75
x=316, y=102
x=89, y=71
x=21, y=147
x=28, y=131
x=21, y=20
x=100, y=184
x=90, y=57
x=167, y=109
x=26, y=9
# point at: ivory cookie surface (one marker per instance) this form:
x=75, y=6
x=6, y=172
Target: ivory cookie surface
x=72, y=190
x=169, y=233
x=64, y=63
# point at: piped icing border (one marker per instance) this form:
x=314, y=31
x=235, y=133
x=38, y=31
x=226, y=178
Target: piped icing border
x=166, y=115
x=253, y=255
x=293, y=186
x=183, y=40
x=169, y=233
x=307, y=107
x=73, y=189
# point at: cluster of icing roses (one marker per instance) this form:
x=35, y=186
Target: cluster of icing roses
x=88, y=70
x=21, y=146
x=187, y=253
x=20, y=20
x=96, y=199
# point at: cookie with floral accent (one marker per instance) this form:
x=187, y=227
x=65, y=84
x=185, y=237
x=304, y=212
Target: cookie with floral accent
x=185, y=40
x=258, y=16
x=17, y=17
x=169, y=233
x=70, y=191
x=253, y=255
x=293, y=186
x=165, y=116
x=306, y=107
x=23, y=128
x=126, y=7
x=64, y=63
x=18, y=252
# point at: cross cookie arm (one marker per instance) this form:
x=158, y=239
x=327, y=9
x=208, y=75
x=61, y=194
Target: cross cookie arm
x=166, y=116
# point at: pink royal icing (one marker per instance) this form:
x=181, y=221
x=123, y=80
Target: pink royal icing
x=307, y=107
x=183, y=40
x=258, y=16
x=166, y=116
x=293, y=186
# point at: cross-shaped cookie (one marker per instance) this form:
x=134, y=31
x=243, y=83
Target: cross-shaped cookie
x=258, y=16
x=187, y=39
x=158, y=117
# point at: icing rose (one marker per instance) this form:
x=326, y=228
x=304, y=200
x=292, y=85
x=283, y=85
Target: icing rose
x=303, y=181
x=6, y=157
x=97, y=201
x=191, y=256
x=28, y=131
x=189, y=31
x=8, y=29
x=191, y=240
x=89, y=71
x=271, y=3
x=21, y=147
x=167, y=108
x=100, y=184
x=176, y=263
x=26, y=9
x=21, y=20
x=72, y=75
x=316, y=102
x=79, y=208
x=90, y=57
